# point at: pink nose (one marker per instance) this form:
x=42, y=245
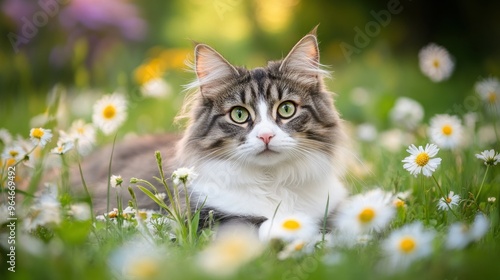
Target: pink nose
x=266, y=137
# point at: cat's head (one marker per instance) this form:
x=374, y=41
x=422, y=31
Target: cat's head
x=263, y=116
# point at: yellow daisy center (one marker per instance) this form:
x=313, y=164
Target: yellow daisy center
x=399, y=203
x=37, y=133
x=80, y=130
x=13, y=153
x=447, y=129
x=435, y=63
x=10, y=162
x=407, y=245
x=299, y=246
x=143, y=215
x=366, y=215
x=422, y=159
x=492, y=97
x=448, y=200
x=109, y=112
x=144, y=269
x=291, y=225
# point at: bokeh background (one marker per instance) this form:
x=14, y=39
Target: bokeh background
x=93, y=47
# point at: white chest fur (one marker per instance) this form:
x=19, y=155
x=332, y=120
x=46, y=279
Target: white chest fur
x=297, y=188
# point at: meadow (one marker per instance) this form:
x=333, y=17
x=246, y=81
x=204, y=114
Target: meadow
x=422, y=165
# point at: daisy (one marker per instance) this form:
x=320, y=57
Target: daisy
x=406, y=245
x=492, y=199
x=407, y=113
x=139, y=258
x=161, y=196
x=490, y=157
x=110, y=112
x=460, y=235
x=452, y=200
x=435, y=62
x=46, y=211
x=116, y=181
x=234, y=247
x=156, y=88
x=62, y=147
x=5, y=136
x=399, y=199
x=83, y=134
x=13, y=154
x=289, y=228
x=184, y=175
x=40, y=136
x=421, y=161
x=80, y=211
x=364, y=213
x=489, y=90
x=446, y=131
x=367, y=132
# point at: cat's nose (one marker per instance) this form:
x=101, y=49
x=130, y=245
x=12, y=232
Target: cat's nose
x=266, y=137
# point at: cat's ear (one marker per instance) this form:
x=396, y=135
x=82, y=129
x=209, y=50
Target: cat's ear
x=211, y=68
x=302, y=62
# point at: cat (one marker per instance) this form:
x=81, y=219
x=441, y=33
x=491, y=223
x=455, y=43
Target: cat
x=261, y=141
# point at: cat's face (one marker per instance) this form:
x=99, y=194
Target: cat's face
x=262, y=116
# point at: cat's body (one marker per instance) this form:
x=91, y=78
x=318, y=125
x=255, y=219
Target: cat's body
x=257, y=139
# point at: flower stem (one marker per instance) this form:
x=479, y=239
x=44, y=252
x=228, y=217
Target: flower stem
x=482, y=183
x=444, y=196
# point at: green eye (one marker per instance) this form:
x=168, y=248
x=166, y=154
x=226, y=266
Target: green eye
x=286, y=109
x=239, y=114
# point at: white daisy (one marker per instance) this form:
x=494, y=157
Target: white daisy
x=399, y=199
x=13, y=154
x=435, y=62
x=234, y=247
x=139, y=258
x=395, y=139
x=406, y=245
x=460, y=235
x=492, y=199
x=161, y=196
x=110, y=112
x=40, y=136
x=156, y=88
x=364, y=213
x=5, y=136
x=367, y=132
x=80, y=211
x=62, y=147
x=407, y=113
x=490, y=157
x=83, y=134
x=421, y=161
x=289, y=228
x=489, y=90
x=184, y=175
x=116, y=181
x=446, y=131
x=46, y=211
x=451, y=199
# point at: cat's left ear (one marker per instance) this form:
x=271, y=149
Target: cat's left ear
x=302, y=62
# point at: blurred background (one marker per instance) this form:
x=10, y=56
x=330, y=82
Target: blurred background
x=94, y=47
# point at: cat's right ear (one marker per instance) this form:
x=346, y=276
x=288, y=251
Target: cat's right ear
x=211, y=68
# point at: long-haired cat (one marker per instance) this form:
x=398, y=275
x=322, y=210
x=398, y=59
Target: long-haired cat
x=256, y=138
